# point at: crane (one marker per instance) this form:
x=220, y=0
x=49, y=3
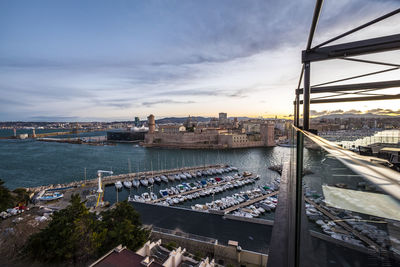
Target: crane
x=100, y=189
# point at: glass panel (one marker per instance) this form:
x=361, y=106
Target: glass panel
x=352, y=207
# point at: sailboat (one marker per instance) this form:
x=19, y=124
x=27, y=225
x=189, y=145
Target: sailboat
x=118, y=185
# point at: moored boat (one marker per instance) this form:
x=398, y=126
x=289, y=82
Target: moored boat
x=146, y=197
x=127, y=184
x=135, y=183
x=163, y=192
x=153, y=196
x=118, y=185
x=144, y=182
x=51, y=196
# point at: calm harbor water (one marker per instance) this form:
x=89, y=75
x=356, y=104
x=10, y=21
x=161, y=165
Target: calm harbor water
x=27, y=163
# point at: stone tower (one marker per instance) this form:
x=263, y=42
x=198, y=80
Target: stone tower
x=267, y=134
x=152, y=123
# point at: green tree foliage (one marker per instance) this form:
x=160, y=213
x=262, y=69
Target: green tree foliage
x=124, y=227
x=6, y=199
x=21, y=195
x=74, y=235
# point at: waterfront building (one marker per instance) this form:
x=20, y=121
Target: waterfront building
x=171, y=129
x=210, y=136
x=133, y=134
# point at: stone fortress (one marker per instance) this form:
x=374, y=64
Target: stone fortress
x=218, y=133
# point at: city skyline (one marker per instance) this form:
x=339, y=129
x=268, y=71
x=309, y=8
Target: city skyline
x=100, y=61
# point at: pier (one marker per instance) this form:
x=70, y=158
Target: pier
x=110, y=180
x=249, y=202
x=90, y=140
x=49, y=134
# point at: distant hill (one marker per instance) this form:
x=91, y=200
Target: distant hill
x=195, y=118
x=241, y=118
x=355, y=115
x=181, y=119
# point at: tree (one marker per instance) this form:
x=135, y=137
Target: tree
x=6, y=199
x=124, y=227
x=69, y=237
x=75, y=235
x=21, y=195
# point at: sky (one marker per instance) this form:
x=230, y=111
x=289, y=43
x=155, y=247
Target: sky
x=113, y=60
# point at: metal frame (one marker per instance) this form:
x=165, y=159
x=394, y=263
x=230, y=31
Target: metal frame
x=368, y=46
x=343, y=51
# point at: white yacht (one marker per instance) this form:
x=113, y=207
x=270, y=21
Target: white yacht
x=118, y=185
x=164, y=178
x=153, y=196
x=146, y=197
x=128, y=184
x=135, y=183
x=144, y=182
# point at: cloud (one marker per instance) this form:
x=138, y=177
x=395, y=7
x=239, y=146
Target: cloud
x=54, y=118
x=211, y=54
x=353, y=111
x=376, y=111
x=325, y=112
x=165, y=101
x=380, y=111
x=192, y=92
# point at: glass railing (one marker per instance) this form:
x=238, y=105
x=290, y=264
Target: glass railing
x=350, y=206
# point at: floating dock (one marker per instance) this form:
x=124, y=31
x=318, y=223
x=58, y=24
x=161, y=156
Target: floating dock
x=249, y=202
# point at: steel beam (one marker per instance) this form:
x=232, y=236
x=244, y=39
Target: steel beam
x=306, y=97
x=352, y=87
x=394, y=12
x=353, y=99
x=317, y=11
x=368, y=46
x=297, y=111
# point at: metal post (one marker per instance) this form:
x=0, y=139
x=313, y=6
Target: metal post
x=297, y=111
x=306, y=96
x=299, y=195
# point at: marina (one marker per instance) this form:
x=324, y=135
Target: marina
x=145, y=177
x=349, y=230
x=162, y=170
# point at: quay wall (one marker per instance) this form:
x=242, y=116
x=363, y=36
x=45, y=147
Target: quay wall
x=250, y=235
x=184, y=145
x=251, y=144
